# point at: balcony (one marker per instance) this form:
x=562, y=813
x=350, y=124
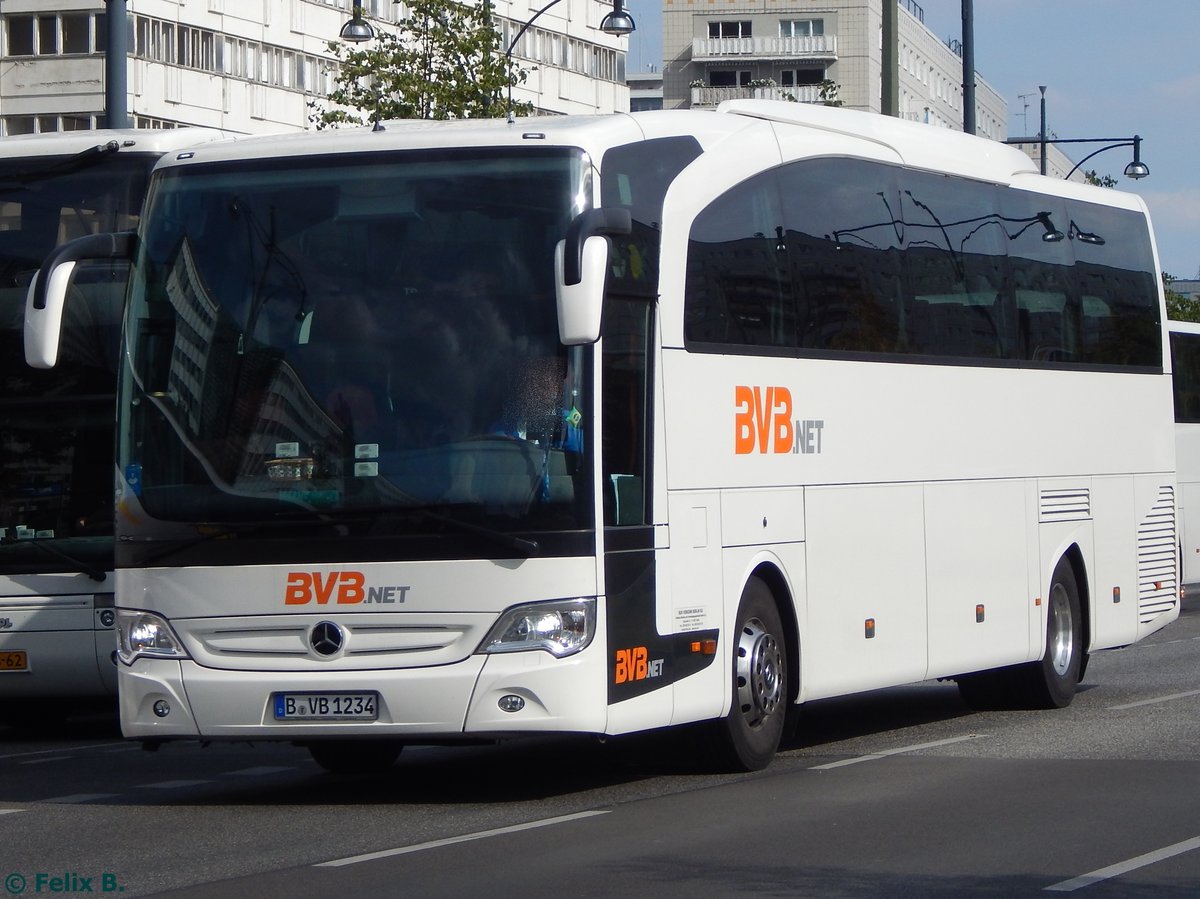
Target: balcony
x=817, y=47
x=709, y=97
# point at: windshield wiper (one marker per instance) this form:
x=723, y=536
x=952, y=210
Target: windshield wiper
x=223, y=531
x=81, y=160
x=522, y=545
x=338, y=519
x=49, y=548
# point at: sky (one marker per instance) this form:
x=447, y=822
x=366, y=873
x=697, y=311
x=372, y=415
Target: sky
x=1111, y=68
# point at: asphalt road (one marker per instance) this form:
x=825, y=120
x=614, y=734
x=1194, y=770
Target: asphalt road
x=901, y=792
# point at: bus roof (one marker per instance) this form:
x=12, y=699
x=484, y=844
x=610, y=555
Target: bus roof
x=131, y=140
x=912, y=143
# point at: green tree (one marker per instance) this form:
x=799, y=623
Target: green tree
x=827, y=92
x=1180, y=308
x=1092, y=177
x=443, y=62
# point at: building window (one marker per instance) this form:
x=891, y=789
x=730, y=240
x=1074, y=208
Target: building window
x=76, y=33
x=729, y=78
x=729, y=29
x=19, y=124
x=797, y=77
x=49, y=35
x=43, y=124
x=801, y=27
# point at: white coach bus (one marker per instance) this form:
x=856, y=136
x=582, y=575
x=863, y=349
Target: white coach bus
x=57, y=638
x=1185, y=365
x=598, y=425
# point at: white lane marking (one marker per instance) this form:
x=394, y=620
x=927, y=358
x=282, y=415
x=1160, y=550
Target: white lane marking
x=21, y=755
x=76, y=798
x=1124, y=867
x=53, y=758
x=261, y=770
x=10, y=811
x=1154, y=701
x=174, y=784
x=450, y=841
x=887, y=752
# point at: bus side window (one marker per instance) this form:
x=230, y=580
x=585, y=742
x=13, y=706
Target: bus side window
x=737, y=281
x=626, y=342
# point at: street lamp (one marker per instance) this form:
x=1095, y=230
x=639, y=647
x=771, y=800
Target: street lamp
x=357, y=29
x=1135, y=170
x=617, y=23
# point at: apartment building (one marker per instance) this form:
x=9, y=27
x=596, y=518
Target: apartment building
x=255, y=66
x=815, y=51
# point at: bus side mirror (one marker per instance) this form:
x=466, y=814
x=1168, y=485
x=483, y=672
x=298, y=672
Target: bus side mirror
x=580, y=271
x=47, y=297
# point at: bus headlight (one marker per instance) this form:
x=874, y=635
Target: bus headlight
x=560, y=628
x=146, y=634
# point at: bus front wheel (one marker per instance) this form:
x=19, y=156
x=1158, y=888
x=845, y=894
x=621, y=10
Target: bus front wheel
x=748, y=737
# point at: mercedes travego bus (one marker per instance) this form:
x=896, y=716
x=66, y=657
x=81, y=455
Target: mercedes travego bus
x=57, y=639
x=465, y=430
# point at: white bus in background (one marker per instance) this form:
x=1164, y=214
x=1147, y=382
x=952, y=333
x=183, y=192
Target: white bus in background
x=1185, y=366
x=56, y=427
x=598, y=425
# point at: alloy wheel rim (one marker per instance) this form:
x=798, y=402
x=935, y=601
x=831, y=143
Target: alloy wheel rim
x=759, y=673
x=1062, y=634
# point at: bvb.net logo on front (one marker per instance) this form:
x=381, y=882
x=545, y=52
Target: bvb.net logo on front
x=18, y=884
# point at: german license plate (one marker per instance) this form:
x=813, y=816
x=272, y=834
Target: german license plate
x=326, y=706
x=14, y=660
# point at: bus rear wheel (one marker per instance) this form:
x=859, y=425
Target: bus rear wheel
x=1050, y=682
x=355, y=756
x=748, y=737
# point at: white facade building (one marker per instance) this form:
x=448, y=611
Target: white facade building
x=255, y=65
x=813, y=51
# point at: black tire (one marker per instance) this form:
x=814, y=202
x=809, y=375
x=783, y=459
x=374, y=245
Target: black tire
x=355, y=756
x=748, y=737
x=1050, y=682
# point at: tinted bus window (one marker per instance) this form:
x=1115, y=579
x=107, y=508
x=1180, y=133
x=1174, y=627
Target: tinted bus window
x=842, y=241
x=737, y=286
x=1185, y=360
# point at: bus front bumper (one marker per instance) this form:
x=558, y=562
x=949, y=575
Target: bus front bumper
x=163, y=699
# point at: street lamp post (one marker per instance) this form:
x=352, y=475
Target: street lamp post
x=618, y=22
x=116, y=67
x=1135, y=170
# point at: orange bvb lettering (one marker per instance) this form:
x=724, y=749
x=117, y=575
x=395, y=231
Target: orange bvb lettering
x=762, y=420
x=631, y=665
x=344, y=587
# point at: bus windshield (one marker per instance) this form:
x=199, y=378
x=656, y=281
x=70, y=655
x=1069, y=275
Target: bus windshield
x=361, y=346
x=56, y=473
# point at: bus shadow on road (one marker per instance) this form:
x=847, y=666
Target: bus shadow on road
x=828, y=721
